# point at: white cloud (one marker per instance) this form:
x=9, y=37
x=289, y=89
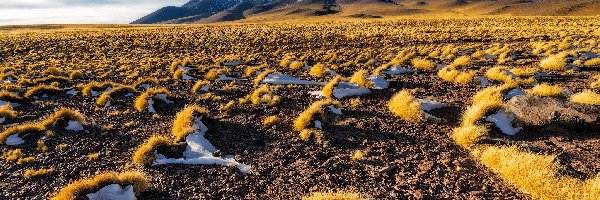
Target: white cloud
x=78, y=11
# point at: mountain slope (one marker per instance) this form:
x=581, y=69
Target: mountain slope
x=209, y=11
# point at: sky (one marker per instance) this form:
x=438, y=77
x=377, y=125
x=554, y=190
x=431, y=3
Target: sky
x=19, y=12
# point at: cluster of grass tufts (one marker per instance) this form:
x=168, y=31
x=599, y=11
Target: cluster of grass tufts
x=9, y=96
x=555, y=62
x=500, y=74
x=42, y=89
x=451, y=74
x=330, y=86
x=405, y=106
x=141, y=102
x=59, y=116
x=184, y=120
x=144, y=154
x=360, y=78
x=105, y=97
x=263, y=96
x=87, y=89
x=137, y=179
x=586, y=97
x=419, y=63
x=20, y=129
x=271, y=121
x=339, y=195
x=313, y=112
x=595, y=83
x=546, y=90
x=592, y=62
x=34, y=173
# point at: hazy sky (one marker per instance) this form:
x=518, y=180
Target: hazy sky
x=78, y=11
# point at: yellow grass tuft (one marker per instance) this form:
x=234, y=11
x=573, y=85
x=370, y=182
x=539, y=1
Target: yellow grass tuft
x=63, y=114
x=144, y=154
x=546, y=90
x=359, y=78
x=141, y=102
x=262, y=95
x=592, y=62
x=34, y=173
x=313, y=112
x=463, y=61
x=339, y=195
x=477, y=111
x=405, y=106
x=586, y=97
x=76, y=74
x=424, y=64
x=212, y=74
x=19, y=129
x=537, y=174
x=468, y=135
x=8, y=112
x=198, y=85
x=554, y=62
x=12, y=155
x=25, y=160
x=93, y=156
x=595, y=84
x=357, y=155
x=296, y=65
x=271, y=120
x=9, y=96
x=47, y=89
x=184, y=120
x=106, y=96
x=451, y=74
x=137, y=179
x=262, y=77
x=318, y=70
x=227, y=107
x=87, y=90
x=330, y=86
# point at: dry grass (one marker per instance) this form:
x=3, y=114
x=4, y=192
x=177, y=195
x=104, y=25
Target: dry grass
x=313, y=112
x=20, y=129
x=76, y=74
x=9, y=96
x=592, y=62
x=263, y=95
x=8, y=112
x=137, y=179
x=359, y=77
x=262, y=77
x=42, y=89
x=596, y=82
x=357, y=155
x=546, y=90
x=423, y=64
x=330, y=86
x=198, y=85
x=468, y=135
x=339, y=195
x=451, y=74
x=141, y=102
x=271, y=121
x=555, y=62
x=106, y=96
x=34, y=173
x=63, y=114
x=463, y=61
x=144, y=154
x=184, y=120
x=318, y=70
x=405, y=106
x=12, y=155
x=87, y=89
x=586, y=97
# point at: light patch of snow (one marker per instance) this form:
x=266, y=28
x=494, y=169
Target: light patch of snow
x=145, y=86
x=187, y=77
x=14, y=140
x=331, y=72
x=94, y=93
x=335, y=109
x=482, y=81
x=151, y=106
x=226, y=78
x=345, y=89
x=14, y=105
x=2, y=119
x=113, y=192
x=204, y=88
x=398, y=71
x=200, y=151
x=74, y=126
x=513, y=93
x=72, y=92
x=428, y=105
x=379, y=82
x=129, y=94
x=490, y=56
x=283, y=79
x=233, y=63
x=538, y=75
x=503, y=121
x=10, y=80
x=318, y=124
x=588, y=55
x=163, y=97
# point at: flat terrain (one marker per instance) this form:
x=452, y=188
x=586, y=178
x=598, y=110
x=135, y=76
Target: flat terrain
x=402, y=160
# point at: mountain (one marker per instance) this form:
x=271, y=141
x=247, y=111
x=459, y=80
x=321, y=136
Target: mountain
x=209, y=11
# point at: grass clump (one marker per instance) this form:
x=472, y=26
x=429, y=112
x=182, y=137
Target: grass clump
x=586, y=97
x=144, y=154
x=12, y=155
x=596, y=83
x=467, y=135
x=419, y=63
x=34, y=173
x=546, y=90
x=271, y=121
x=463, y=61
x=554, y=62
x=184, y=120
x=20, y=129
x=339, y=195
x=357, y=155
x=75, y=74
x=318, y=70
x=63, y=114
x=9, y=96
x=263, y=95
x=141, y=102
x=592, y=62
x=405, y=106
x=451, y=74
x=198, y=85
x=330, y=86
x=137, y=179
x=313, y=112
x=88, y=88
x=360, y=78
x=42, y=89
x=107, y=96
x=262, y=77
x=8, y=112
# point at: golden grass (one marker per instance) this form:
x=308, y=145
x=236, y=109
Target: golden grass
x=424, y=64
x=468, y=135
x=451, y=74
x=263, y=95
x=296, y=65
x=141, y=102
x=595, y=84
x=25, y=160
x=8, y=112
x=592, y=62
x=87, y=90
x=212, y=74
x=318, y=70
x=546, y=90
x=339, y=195
x=357, y=155
x=405, y=106
x=555, y=62
x=475, y=112
x=19, y=129
x=137, y=179
x=271, y=121
x=184, y=120
x=498, y=74
x=76, y=74
x=463, y=61
x=227, y=107
x=106, y=96
x=198, y=85
x=63, y=114
x=586, y=97
x=34, y=173
x=151, y=81
x=313, y=112
x=330, y=86
x=93, y=156
x=521, y=72
x=9, y=96
x=262, y=77
x=306, y=134
x=48, y=89
x=12, y=155
x=359, y=77
x=536, y=174
x=144, y=154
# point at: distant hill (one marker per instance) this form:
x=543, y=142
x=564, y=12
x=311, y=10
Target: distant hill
x=209, y=11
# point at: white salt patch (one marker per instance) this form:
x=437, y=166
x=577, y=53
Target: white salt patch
x=504, y=121
x=283, y=79
x=74, y=126
x=204, y=88
x=318, y=124
x=513, y=93
x=482, y=81
x=151, y=106
x=335, y=109
x=200, y=151
x=72, y=92
x=163, y=97
x=14, y=140
x=398, y=71
x=113, y=192
x=378, y=82
x=233, y=63
x=428, y=105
